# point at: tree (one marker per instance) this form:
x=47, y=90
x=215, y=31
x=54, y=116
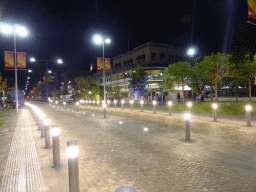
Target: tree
x=212, y=69
x=80, y=81
x=97, y=92
x=176, y=73
x=3, y=84
x=116, y=91
x=248, y=70
x=138, y=82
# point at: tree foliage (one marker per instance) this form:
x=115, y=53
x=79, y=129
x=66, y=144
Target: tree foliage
x=138, y=82
x=176, y=73
x=212, y=69
x=83, y=84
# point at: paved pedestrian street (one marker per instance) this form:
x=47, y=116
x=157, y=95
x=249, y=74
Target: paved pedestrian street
x=148, y=151
x=118, y=151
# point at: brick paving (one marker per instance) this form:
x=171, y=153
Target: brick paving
x=22, y=172
x=220, y=156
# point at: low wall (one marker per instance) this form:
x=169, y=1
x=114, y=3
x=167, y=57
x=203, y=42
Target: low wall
x=232, y=99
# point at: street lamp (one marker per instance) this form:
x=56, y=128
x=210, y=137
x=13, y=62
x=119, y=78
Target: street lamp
x=191, y=52
x=59, y=61
x=98, y=40
x=16, y=29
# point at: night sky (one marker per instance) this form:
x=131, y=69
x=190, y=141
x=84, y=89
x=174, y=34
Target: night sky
x=65, y=29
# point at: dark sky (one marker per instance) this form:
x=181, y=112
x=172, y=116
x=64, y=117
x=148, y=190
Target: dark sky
x=64, y=29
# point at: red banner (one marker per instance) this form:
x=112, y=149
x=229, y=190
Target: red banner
x=47, y=80
x=21, y=60
x=8, y=59
x=100, y=64
x=252, y=9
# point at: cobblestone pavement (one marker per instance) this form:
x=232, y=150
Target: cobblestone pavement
x=22, y=171
x=220, y=156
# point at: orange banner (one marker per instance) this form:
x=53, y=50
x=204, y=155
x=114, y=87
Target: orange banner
x=100, y=64
x=47, y=80
x=8, y=59
x=252, y=9
x=21, y=60
x=107, y=64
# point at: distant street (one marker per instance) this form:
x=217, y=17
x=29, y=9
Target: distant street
x=151, y=157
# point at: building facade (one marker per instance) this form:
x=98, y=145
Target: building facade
x=154, y=58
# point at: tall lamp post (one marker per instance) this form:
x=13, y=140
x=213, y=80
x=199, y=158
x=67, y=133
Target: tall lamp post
x=59, y=61
x=15, y=29
x=191, y=53
x=98, y=40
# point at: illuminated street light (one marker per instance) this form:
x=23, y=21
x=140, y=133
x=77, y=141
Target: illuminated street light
x=122, y=104
x=21, y=31
x=98, y=103
x=99, y=40
x=93, y=103
x=64, y=103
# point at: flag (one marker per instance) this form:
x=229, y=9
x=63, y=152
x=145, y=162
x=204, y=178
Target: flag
x=107, y=64
x=21, y=60
x=8, y=59
x=91, y=68
x=251, y=9
x=47, y=79
x=100, y=64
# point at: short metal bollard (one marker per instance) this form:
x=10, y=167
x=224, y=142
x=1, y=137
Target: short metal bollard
x=104, y=108
x=170, y=107
x=72, y=153
x=47, y=130
x=214, y=106
x=115, y=103
x=122, y=104
x=131, y=104
x=187, y=126
x=141, y=102
x=154, y=106
x=56, y=145
x=125, y=189
x=248, y=114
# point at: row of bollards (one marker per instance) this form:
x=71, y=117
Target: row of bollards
x=48, y=130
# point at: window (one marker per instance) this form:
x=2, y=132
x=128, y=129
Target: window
x=138, y=59
x=143, y=57
x=162, y=56
x=153, y=56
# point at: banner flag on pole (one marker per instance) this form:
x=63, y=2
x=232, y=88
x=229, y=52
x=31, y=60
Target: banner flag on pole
x=107, y=64
x=251, y=9
x=47, y=80
x=21, y=60
x=100, y=64
x=91, y=68
x=9, y=59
